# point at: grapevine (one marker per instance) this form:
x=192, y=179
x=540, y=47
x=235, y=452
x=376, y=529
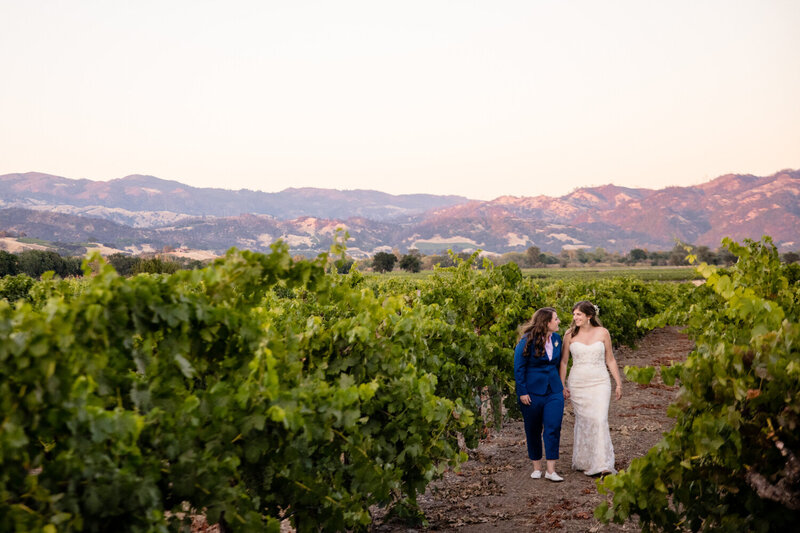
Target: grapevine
x=730, y=461
x=257, y=389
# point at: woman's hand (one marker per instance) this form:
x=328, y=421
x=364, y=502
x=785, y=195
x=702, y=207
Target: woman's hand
x=566, y=393
x=525, y=399
x=618, y=392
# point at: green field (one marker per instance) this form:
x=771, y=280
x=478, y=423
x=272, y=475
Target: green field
x=28, y=240
x=646, y=273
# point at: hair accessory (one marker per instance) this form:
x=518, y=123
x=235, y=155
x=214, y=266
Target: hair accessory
x=596, y=310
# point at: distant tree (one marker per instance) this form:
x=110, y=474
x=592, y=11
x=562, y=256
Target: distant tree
x=446, y=260
x=429, y=261
x=9, y=264
x=155, y=265
x=658, y=258
x=636, y=255
x=705, y=255
x=677, y=256
x=124, y=264
x=599, y=255
x=533, y=256
x=725, y=257
x=530, y=258
x=383, y=262
x=67, y=250
x=791, y=257
x=411, y=262
x=73, y=266
x=36, y=262
x=518, y=258
x=443, y=260
x=188, y=263
x=548, y=259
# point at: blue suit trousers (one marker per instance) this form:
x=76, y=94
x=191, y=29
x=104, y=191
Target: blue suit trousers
x=542, y=420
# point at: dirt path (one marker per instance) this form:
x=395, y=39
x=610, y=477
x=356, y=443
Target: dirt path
x=494, y=490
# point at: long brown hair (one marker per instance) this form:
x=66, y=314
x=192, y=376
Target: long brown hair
x=590, y=310
x=535, y=330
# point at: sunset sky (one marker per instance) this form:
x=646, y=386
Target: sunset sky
x=475, y=98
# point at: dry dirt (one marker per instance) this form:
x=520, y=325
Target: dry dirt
x=494, y=491
x=12, y=245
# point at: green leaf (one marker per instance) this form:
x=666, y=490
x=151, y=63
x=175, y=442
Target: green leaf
x=186, y=367
x=641, y=375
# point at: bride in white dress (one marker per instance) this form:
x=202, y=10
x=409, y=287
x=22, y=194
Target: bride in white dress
x=589, y=388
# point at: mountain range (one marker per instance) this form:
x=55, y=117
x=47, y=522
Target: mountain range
x=142, y=213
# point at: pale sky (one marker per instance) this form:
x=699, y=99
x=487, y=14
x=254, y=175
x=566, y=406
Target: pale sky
x=476, y=98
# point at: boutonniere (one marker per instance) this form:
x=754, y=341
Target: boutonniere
x=555, y=344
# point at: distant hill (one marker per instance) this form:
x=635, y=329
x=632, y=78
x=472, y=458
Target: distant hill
x=619, y=219
x=147, y=201
x=143, y=212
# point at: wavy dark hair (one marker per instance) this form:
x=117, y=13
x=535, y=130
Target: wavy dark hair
x=535, y=330
x=587, y=308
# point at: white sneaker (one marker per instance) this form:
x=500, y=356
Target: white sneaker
x=553, y=477
x=536, y=474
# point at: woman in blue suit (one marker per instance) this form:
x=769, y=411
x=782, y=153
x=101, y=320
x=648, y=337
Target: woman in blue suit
x=540, y=391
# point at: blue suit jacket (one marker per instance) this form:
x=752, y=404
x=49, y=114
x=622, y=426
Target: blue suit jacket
x=534, y=374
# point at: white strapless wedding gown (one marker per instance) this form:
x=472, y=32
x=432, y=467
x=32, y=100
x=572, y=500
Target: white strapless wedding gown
x=590, y=391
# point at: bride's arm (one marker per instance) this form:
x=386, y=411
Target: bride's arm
x=562, y=368
x=611, y=363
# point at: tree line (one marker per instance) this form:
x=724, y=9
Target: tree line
x=533, y=257
x=34, y=263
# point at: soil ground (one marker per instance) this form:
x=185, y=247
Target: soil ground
x=494, y=491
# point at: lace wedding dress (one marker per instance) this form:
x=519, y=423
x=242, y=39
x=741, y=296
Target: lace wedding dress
x=590, y=392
